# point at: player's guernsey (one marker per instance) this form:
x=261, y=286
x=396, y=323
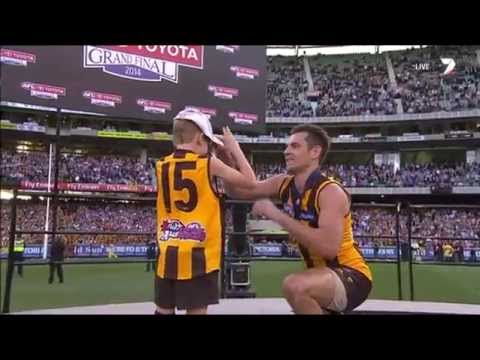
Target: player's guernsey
x=304, y=207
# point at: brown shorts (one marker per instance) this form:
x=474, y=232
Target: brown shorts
x=357, y=286
x=194, y=293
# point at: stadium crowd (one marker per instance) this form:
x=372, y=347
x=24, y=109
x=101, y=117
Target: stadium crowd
x=286, y=86
x=101, y=217
x=432, y=223
x=371, y=175
x=102, y=169
x=351, y=85
x=367, y=223
x=426, y=90
x=107, y=169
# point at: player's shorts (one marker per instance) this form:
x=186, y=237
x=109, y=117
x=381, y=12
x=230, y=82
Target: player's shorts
x=198, y=292
x=351, y=289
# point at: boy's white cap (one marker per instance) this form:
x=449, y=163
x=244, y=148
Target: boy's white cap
x=201, y=120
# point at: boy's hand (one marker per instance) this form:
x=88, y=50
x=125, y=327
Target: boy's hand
x=229, y=141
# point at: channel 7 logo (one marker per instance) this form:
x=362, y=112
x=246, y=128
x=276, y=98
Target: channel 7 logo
x=449, y=62
x=450, y=65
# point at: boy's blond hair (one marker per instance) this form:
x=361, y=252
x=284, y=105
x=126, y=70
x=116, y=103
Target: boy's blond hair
x=184, y=131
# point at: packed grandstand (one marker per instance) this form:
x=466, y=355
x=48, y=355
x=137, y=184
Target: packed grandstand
x=399, y=126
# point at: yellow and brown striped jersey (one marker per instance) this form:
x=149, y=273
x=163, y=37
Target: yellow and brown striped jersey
x=304, y=207
x=189, y=217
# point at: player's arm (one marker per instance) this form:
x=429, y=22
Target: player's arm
x=323, y=241
x=239, y=186
x=268, y=188
x=232, y=154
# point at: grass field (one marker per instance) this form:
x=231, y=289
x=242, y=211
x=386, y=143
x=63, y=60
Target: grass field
x=123, y=283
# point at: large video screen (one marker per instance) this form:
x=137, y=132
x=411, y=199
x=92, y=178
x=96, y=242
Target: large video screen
x=143, y=82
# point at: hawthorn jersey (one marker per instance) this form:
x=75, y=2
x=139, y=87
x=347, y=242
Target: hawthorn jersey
x=189, y=217
x=304, y=207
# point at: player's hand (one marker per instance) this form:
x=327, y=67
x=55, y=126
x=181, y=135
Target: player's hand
x=264, y=207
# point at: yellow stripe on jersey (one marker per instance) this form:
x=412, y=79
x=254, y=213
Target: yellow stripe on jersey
x=349, y=254
x=285, y=183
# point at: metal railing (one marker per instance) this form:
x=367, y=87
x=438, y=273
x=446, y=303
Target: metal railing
x=411, y=208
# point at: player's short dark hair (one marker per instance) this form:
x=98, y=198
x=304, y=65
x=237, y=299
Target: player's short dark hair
x=316, y=136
